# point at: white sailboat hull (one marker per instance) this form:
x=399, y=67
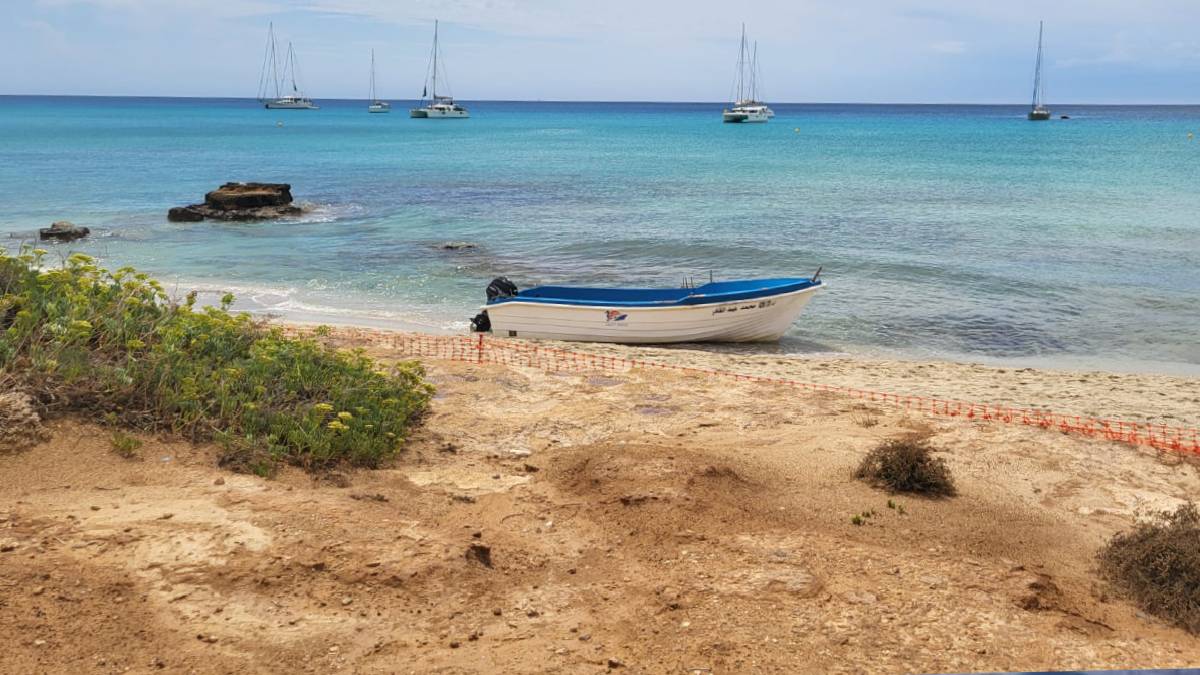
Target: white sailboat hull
x=291, y=105
x=742, y=116
x=379, y=108
x=438, y=113
x=755, y=320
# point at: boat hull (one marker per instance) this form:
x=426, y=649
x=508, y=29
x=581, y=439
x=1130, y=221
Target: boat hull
x=434, y=113
x=276, y=105
x=738, y=117
x=763, y=319
x=1039, y=115
x=379, y=108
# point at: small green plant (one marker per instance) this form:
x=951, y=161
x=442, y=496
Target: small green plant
x=124, y=445
x=891, y=504
x=1157, y=565
x=114, y=345
x=857, y=519
x=907, y=465
x=900, y=509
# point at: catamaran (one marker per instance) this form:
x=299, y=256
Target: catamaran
x=753, y=310
x=376, y=106
x=274, y=75
x=1039, y=111
x=746, y=106
x=438, y=107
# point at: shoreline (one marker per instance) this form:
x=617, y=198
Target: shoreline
x=394, y=322
x=1142, y=397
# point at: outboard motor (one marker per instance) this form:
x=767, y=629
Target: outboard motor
x=481, y=323
x=501, y=287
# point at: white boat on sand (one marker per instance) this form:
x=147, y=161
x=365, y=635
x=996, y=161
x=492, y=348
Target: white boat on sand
x=756, y=310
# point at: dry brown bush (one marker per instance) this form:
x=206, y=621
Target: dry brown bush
x=907, y=465
x=1157, y=565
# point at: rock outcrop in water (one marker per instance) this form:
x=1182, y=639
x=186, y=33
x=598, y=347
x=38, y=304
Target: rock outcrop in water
x=63, y=230
x=240, y=201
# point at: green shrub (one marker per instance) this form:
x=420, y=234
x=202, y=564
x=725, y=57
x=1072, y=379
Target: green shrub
x=80, y=338
x=1157, y=564
x=124, y=445
x=907, y=465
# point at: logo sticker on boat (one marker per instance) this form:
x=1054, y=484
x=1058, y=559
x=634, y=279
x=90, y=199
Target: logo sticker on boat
x=613, y=315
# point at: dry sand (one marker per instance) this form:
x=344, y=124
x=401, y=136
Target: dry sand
x=642, y=522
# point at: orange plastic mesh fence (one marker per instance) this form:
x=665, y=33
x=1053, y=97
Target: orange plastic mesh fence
x=480, y=349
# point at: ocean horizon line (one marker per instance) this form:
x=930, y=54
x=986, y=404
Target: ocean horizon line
x=336, y=99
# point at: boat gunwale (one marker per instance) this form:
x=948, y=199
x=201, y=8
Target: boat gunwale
x=796, y=286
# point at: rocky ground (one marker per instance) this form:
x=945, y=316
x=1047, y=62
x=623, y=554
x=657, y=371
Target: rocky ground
x=648, y=522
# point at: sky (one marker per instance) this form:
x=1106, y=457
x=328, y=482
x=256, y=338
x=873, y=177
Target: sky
x=931, y=51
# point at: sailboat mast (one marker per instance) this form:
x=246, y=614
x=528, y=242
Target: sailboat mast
x=435, y=54
x=372, y=75
x=741, y=66
x=269, y=79
x=1037, y=71
x=291, y=59
x=274, y=60
x=754, y=73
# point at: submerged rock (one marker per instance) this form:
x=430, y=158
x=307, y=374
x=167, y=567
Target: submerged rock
x=240, y=201
x=458, y=246
x=63, y=230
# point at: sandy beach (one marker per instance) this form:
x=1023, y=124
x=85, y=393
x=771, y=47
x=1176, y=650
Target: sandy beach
x=909, y=379
x=639, y=521
x=1140, y=397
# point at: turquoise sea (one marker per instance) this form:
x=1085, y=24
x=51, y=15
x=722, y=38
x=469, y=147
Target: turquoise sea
x=960, y=232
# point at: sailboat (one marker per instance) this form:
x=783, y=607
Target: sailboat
x=273, y=77
x=1038, y=112
x=376, y=106
x=438, y=107
x=746, y=106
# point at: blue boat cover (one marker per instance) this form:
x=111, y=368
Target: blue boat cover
x=719, y=291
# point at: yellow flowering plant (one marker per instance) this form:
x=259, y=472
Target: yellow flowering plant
x=120, y=346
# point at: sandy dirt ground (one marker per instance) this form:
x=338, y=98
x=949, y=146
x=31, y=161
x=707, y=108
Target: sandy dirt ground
x=643, y=522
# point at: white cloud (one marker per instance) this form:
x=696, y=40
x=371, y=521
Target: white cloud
x=1119, y=52
x=949, y=47
x=912, y=50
